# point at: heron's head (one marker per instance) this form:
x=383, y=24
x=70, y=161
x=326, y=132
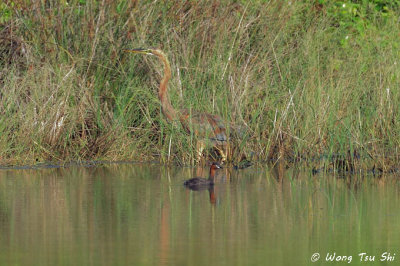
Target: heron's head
x=156, y=52
x=142, y=51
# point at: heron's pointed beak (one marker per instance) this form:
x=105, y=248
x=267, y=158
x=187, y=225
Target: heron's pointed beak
x=139, y=51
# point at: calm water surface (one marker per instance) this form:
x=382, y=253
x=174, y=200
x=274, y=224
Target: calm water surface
x=142, y=215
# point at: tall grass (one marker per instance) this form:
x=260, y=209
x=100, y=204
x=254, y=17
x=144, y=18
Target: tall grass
x=297, y=83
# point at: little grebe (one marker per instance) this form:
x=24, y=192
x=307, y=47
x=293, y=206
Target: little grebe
x=197, y=182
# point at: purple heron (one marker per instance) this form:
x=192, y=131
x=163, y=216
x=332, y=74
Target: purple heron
x=208, y=128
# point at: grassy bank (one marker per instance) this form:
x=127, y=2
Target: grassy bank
x=302, y=79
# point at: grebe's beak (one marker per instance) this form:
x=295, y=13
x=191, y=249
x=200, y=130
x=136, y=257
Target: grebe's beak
x=217, y=166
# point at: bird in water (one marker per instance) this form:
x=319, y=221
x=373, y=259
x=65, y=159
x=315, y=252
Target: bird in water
x=208, y=128
x=199, y=183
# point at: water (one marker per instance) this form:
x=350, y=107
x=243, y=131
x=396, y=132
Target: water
x=142, y=215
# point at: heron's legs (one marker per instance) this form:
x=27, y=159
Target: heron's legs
x=222, y=152
x=199, y=149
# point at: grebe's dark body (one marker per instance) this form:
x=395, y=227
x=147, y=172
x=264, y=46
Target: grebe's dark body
x=199, y=183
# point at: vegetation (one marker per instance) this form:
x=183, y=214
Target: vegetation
x=303, y=80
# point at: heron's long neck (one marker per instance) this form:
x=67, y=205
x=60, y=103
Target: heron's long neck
x=166, y=106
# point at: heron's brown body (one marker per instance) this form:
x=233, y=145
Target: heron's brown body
x=208, y=128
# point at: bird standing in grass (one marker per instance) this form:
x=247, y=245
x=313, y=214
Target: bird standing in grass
x=208, y=128
x=199, y=183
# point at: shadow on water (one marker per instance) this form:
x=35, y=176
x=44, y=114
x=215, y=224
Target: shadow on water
x=142, y=214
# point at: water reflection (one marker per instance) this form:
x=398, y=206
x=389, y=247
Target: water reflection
x=142, y=214
x=211, y=192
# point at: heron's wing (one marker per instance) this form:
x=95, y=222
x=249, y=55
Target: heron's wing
x=204, y=125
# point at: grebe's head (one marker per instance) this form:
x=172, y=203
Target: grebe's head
x=216, y=166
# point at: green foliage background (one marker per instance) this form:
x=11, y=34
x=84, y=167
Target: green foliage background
x=301, y=79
